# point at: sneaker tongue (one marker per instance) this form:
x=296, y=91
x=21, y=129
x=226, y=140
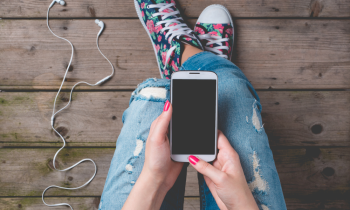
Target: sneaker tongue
x=185, y=38
x=188, y=40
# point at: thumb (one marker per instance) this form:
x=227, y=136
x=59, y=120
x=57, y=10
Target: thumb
x=163, y=120
x=205, y=168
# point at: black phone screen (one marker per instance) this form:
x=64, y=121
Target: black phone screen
x=193, y=119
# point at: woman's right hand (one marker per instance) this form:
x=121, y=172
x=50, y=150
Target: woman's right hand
x=225, y=178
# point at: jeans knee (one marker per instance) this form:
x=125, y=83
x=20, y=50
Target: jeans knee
x=152, y=89
x=237, y=87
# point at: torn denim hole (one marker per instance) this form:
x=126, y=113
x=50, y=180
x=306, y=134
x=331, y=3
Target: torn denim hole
x=128, y=168
x=138, y=148
x=256, y=117
x=264, y=207
x=258, y=183
x=152, y=82
x=156, y=94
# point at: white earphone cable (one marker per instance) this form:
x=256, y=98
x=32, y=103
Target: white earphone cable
x=70, y=99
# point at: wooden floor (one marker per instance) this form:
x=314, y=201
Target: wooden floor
x=296, y=53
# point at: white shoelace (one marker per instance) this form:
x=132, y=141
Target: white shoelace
x=215, y=40
x=173, y=31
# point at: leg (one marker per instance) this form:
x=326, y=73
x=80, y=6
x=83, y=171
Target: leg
x=240, y=121
x=146, y=104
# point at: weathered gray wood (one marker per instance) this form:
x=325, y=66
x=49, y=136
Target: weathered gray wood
x=33, y=203
x=238, y=8
x=191, y=203
x=308, y=118
x=304, y=172
x=94, y=119
x=79, y=203
x=320, y=203
x=83, y=203
x=278, y=54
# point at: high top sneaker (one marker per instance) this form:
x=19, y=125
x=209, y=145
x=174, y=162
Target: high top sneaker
x=167, y=31
x=214, y=28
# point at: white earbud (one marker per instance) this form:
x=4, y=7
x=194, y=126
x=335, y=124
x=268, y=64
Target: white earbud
x=61, y=2
x=101, y=24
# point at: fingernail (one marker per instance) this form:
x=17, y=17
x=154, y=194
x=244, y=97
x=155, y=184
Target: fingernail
x=166, y=106
x=193, y=159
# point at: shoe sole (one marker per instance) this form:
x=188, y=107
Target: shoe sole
x=231, y=22
x=137, y=7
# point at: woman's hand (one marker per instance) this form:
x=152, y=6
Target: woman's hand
x=159, y=172
x=158, y=163
x=225, y=178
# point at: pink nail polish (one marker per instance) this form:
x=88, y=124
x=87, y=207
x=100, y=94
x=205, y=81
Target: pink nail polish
x=166, y=106
x=193, y=159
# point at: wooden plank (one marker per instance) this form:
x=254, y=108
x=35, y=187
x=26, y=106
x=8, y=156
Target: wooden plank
x=238, y=8
x=78, y=203
x=33, y=203
x=190, y=203
x=94, y=119
x=295, y=118
x=274, y=54
x=309, y=172
x=324, y=203
x=83, y=203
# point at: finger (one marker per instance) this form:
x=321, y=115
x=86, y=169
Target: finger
x=217, y=164
x=160, y=129
x=223, y=143
x=154, y=123
x=224, y=146
x=212, y=189
x=206, y=169
x=227, y=156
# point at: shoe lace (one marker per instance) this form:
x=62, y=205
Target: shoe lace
x=175, y=26
x=212, y=40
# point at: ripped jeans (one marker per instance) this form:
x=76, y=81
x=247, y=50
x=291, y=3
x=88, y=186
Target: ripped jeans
x=239, y=119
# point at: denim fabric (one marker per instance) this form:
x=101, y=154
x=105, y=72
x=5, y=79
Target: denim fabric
x=239, y=119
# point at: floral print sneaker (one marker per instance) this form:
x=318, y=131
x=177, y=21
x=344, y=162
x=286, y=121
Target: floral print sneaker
x=167, y=31
x=214, y=28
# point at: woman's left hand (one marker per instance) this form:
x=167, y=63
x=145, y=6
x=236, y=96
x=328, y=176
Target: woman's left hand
x=158, y=163
x=159, y=172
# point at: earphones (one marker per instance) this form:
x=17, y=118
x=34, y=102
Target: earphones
x=101, y=25
x=61, y=2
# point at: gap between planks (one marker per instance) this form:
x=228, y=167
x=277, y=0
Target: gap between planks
x=274, y=54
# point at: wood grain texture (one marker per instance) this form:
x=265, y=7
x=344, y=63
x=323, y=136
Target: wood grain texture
x=315, y=173
x=91, y=120
x=273, y=54
x=190, y=203
x=191, y=8
x=78, y=203
x=94, y=119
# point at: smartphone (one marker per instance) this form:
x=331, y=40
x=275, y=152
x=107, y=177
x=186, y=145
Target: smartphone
x=193, y=127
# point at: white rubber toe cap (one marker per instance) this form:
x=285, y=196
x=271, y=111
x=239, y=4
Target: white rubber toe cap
x=215, y=14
